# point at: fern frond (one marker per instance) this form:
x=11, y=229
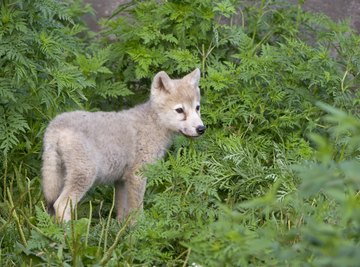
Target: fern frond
x=184, y=59
x=110, y=89
x=12, y=124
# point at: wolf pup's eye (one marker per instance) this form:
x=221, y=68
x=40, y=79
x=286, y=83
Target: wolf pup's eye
x=197, y=107
x=179, y=110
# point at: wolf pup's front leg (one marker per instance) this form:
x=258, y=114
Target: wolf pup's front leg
x=130, y=196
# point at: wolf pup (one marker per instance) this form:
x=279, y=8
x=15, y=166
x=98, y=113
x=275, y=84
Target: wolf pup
x=82, y=148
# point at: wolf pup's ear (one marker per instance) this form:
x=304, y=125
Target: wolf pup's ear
x=194, y=77
x=162, y=82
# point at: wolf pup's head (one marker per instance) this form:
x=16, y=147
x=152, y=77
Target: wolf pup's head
x=177, y=103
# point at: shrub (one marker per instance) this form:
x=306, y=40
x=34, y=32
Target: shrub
x=271, y=182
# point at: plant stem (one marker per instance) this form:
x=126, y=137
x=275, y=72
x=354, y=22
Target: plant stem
x=88, y=226
x=18, y=224
x=108, y=253
x=187, y=257
x=108, y=220
x=343, y=88
x=5, y=175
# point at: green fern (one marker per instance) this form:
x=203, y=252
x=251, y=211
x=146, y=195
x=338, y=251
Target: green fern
x=12, y=123
x=37, y=69
x=271, y=182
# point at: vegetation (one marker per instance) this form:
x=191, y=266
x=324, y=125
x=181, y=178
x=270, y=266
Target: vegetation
x=274, y=181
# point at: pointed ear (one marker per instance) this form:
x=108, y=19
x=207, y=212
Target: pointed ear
x=162, y=82
x=194, y=77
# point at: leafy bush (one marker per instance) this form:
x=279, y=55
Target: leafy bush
x=271, y=183
x=316, y=225
x=38, y=48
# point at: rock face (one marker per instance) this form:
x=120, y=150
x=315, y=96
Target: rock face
x=336, y=9
x=103, y=9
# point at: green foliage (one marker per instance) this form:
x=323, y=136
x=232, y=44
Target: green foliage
x=273, y=182
x=316, y=225
x=152, y=36
x=38, y=45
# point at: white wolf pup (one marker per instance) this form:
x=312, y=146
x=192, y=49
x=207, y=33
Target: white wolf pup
x=82, y=148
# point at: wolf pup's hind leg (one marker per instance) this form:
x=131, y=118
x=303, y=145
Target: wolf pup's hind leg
x=135, y=186
x=80, y=172
x=121, y=202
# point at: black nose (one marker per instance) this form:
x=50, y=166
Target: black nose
x=200, y=129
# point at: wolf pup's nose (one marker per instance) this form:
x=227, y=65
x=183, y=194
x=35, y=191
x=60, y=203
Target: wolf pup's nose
x=200, y=129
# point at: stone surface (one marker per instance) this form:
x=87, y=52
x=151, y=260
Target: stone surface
x=336, y=9
x=103, y=9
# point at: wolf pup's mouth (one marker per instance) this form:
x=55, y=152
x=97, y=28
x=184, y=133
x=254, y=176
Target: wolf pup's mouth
x=189, y=136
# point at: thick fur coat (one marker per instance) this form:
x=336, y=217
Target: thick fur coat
x=82, y=148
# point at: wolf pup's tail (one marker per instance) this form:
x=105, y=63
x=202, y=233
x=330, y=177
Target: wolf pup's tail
x=52, y=172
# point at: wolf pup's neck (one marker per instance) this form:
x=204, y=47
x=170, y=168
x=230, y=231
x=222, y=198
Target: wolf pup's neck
x=148, y=118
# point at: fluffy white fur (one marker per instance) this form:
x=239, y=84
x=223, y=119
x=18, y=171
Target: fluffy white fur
x=81, y=148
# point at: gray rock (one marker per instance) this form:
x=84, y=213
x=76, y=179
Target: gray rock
x=336, y=9
x=103, y=9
